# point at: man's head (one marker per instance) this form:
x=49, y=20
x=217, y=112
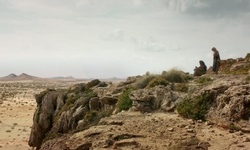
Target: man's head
x=213, y=49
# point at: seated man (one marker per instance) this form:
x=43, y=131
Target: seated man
x=202, y=69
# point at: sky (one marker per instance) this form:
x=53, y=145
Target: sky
x=118, y=38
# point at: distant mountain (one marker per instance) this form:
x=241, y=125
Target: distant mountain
x=14, y=77
x=10, y=76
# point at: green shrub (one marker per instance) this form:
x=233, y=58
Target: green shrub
x=143, y=81
x=175, y=76
x=124, y=102
x=157, y=81
x=93, y=83
x=90, y=93
x=181, y=87
x=248, y=78
x=204, y=80
x=91, y=116
x=235, y=127
x=195, y=108
x=72, y=99
x=242, y=70
x=40, y=96
x=38, y=112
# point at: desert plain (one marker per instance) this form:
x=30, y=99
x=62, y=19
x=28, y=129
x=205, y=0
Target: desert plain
x=17, y=106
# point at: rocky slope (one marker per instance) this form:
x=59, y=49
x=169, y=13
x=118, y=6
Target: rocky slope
x=87, y=116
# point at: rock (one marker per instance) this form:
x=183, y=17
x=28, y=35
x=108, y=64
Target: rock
x=245, y=130
x=42, y=120
x=109, y=100
x=199, y=121
x=232, y=105
x=208, y=123
x=95, y=104
x=125, y=143
x=92, y=83
x=190, y=130
x=246, y=139
x=170, y=129
x=159, y=97
x=84, y=146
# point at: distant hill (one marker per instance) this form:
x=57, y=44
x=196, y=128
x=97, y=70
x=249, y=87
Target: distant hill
x=15, y=77
x=10, y=76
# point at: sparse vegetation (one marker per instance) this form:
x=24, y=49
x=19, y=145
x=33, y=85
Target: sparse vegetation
x=91, y=116
x=38, y=111
x=235, y=127
x=204, y=80
x=176, y=76
x=248, y=78
x=157, y=81
x=195, y=108
x=242, y=70
x=93, y=83
x=124, y=102
x=181, y=87
x=143, y=81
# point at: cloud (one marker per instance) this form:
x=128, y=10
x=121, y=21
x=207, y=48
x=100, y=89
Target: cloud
x=210, y=8
x=115, y=35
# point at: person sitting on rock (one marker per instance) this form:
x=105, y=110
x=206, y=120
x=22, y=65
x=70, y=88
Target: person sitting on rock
x=202, y=69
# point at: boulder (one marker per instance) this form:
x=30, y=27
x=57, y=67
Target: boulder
x=43, y=117
x=232, y=106
x=159, y=97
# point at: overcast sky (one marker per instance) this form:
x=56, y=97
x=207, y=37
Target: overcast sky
x=118, y=38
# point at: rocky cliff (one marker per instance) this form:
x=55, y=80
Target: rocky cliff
x=166, y=111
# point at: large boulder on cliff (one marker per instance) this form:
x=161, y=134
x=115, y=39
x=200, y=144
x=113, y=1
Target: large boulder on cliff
x=48, y=103
x=231, y=104
x=60, y=112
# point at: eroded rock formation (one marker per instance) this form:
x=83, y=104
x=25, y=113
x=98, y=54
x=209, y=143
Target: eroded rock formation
x=64, y=119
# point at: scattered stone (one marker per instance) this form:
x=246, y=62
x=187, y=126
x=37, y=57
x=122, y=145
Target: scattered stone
x=125, y=143
x=190, y=130
x=239, y=133
x=190, y=121
x=246, y=139
x=199, y=121
x=240, y=145
x=245, y=130
x=209, y=123
x=231, y=131
x=170, y=129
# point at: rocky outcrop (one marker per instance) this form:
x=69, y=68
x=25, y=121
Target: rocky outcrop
x=231, y=101
x=43, y=117
x=132, y=130
x=236, y=66
x=156, y=98
x=75, y=112
x=59, y=112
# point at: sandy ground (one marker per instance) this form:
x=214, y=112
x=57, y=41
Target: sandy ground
x=15, y=122
x=17, y=106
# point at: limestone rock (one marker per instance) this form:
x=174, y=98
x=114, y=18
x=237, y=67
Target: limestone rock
x=159, y=97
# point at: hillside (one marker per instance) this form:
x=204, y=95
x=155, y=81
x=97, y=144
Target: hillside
x=172, y=111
